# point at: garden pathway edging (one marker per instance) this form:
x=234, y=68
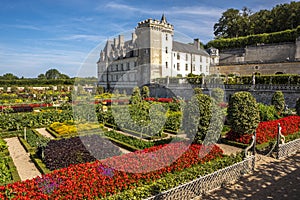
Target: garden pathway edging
x=25, y=167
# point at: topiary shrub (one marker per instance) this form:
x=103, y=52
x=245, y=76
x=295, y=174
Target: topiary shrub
x=218, y=94
x=298, y=106
x=145, y=93
x=197, y=91
x=278, y=101
x=243, y=113
x=202, y=117
x=267, y=113
x=136, y=96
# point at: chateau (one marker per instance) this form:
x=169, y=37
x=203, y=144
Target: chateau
x=151, y=53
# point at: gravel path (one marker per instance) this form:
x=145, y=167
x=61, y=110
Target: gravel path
x=272, y=179
x=25, y=167
x=44, y=132
x=228, y=150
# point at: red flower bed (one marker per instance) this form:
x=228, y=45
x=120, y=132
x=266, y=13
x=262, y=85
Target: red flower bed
x=268, y=130
x=100, y=178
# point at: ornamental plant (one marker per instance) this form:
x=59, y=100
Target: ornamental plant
x=197, y=110
x=145, y=93
x=278, y=101
x=218, y=94
x=243, y=113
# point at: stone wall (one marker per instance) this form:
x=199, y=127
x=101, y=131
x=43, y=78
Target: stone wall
x=262, y=95
x=262, y=68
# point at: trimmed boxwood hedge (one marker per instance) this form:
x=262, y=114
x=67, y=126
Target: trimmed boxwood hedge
x=266, y=38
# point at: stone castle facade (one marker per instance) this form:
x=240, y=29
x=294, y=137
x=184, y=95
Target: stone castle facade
x=151, y=53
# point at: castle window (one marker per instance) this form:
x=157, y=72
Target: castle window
x=166, y=36
x=178, y=56
x=166, y=64
x=186, y=67
x=166, y=49
x=194, y=67
x=200, y=58
x=186, y=56
x=128, y=66
x=200, y=68
x=194, y=57
x=178, y=66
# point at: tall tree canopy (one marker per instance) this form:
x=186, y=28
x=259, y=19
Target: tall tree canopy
x=235, y=23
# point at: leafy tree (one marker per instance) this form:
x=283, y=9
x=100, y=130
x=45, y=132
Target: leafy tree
x=243, y=113
x=136, y=96
x=197, y=116
x=52, y=74
x=145, y=93
x=218, y=94
x=227, y=26
x=197, y=90
x=278, y=101
x=41, y=76
x=9, y=76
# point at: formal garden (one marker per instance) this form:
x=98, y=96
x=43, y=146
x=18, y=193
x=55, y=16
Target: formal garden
x=133, y=146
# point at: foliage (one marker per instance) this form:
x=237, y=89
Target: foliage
x=202, y=117
x=278, y=101
x=55, y=74
x=17, y=121
x=267, y=113
x=172, y=180
x=267, y=131
x=197, y=91
x=113, y=175
x=243, y=113
x=136, y=96
x=69, y=129
x=265, y=38
x=173, y=121
x=64, y=152
x=235, y=23
x=145, y=93
x=217, y=94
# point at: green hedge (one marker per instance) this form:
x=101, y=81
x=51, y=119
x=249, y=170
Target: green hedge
x=266, y=38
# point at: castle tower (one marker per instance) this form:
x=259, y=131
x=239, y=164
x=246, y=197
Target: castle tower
x=154, y=39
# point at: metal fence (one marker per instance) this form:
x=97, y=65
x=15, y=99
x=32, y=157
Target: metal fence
x=288, y=148
x=208, y=182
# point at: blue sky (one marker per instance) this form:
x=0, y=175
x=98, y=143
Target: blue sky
x=37, y=35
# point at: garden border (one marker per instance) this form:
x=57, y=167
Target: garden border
x=208, y=182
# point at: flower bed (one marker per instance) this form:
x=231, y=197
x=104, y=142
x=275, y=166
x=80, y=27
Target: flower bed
x=67, y=129
x=64, y=152
x=100, y=179
x=267, y=131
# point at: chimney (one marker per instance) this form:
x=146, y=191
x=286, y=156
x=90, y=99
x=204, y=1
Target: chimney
x=116, y=43
x=133, y=37
x=197, y=43
x=121, y=41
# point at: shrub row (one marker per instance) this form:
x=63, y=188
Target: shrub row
x=265, y=38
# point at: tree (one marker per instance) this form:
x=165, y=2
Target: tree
x=197, y=116
x=9, y=76
x=228, y=27
x=278, y=101
x=52, y=74
x=136, y=96
x=243, y=113
x=41, y=76
x=145, y=93
x=218, y=94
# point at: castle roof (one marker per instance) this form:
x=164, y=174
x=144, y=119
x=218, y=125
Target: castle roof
x=188, y=48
